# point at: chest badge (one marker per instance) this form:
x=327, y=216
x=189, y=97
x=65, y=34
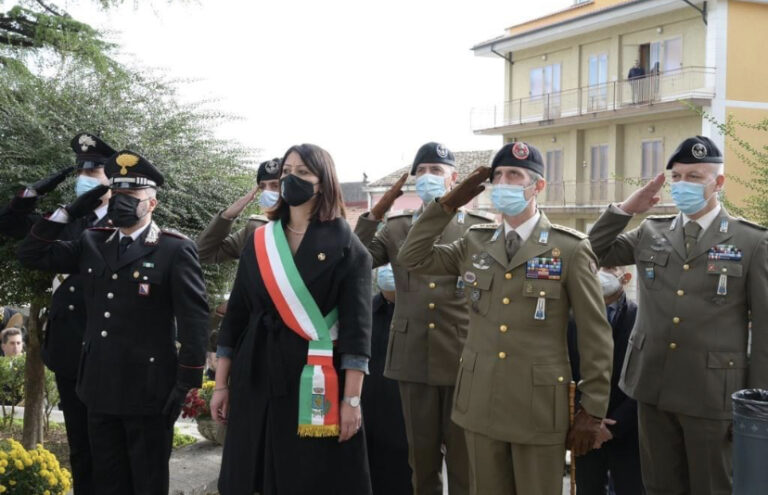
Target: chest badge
x=481, y=261
x=544, y=237
x=144, y=289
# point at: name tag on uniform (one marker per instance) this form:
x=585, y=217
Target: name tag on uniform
x=544, y=268
x=724, y=252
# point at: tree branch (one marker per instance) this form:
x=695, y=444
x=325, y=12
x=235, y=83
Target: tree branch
x=52, y=10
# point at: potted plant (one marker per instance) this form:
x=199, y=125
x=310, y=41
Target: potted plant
x=197, y=405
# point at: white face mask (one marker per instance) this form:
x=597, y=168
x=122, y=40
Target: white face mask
x=609, y=283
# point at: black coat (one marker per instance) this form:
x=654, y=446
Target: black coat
x=620, y=407
x=66, y=313
x=138, y=306
x=262, y=451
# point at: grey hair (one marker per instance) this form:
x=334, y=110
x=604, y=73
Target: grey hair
x=151, y=193
x=535, y=177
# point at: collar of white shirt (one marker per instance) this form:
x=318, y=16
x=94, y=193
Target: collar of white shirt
x=525, y=229
x=706, y=220
x=136, y=234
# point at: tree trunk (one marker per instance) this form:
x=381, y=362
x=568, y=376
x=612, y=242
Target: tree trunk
x=34, y=382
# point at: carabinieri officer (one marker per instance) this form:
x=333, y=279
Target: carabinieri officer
x=144, y=291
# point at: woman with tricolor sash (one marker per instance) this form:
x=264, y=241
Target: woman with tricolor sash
x=295, y=343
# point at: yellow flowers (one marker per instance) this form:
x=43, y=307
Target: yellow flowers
x=208, y=385
x=35, y=472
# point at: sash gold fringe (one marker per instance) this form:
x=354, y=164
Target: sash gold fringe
x=319, y=431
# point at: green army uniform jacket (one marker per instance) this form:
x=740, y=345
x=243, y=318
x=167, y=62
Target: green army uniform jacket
x=217, y=244
x=513, y=379
x=430, y=322
x=688, y=351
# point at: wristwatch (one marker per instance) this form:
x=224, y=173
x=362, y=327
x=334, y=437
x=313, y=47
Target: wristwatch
x=353, y=401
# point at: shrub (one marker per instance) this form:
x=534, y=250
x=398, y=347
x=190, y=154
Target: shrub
x=31, y=472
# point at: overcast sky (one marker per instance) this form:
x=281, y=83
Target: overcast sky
x=368, y=81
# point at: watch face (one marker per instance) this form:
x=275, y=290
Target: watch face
x=353, y=401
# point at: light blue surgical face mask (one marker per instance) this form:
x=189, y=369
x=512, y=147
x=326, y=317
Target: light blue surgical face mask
x=83, y=184
x=509, y=198
x=268, y=199
x=429, y=187
x=385, y=278
x=689, y=196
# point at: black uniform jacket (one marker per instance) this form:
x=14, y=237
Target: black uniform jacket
x=262, y=451
x=66, y=313
x=138, y=306
x=620, y=407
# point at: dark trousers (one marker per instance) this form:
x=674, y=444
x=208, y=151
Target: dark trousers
x=130, y=453
x=390, y=472
x=621, y=458
x=76, y=422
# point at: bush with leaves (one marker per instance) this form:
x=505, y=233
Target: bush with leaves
x=11, y=385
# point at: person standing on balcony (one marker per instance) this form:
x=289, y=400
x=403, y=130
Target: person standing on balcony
x=635, y=77
x=429, y=326
x=704, y=277
x=523, y=278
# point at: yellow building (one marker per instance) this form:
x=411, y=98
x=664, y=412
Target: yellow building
x=603, y=129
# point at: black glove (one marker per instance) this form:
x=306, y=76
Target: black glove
x=175, y=401
x=86, y=203
x=48, y=184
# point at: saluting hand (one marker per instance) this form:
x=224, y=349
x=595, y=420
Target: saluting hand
x=644, y=198
x=466, y=189
x=49, y=183
x=236, y=208
x=86, y=202
x=388, y=199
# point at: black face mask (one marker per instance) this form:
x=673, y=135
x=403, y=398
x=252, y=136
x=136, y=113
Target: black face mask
x=123, y=210
x=295, y=190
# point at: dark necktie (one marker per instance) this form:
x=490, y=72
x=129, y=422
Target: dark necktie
x=692, y=230
x=512, y=244
x=124, y=243
x=611, y=313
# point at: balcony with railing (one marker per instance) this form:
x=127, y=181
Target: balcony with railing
x=629, y=96
x=594, y=193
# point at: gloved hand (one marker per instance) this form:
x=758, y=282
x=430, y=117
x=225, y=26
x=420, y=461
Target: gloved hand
x=175, y=401
x=387, y=200
x=466, y=189
x=583, y=433
x=86, y=202
x=48, y=184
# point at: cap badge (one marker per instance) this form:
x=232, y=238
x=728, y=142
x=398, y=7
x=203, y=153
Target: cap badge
x=272, y=167
x=520, y=150
x=86, y=142
x=126, y=160
x=699, y=151
x=441, y=151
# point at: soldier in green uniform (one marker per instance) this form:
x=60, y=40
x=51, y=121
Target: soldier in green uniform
x=216, y=243
x=521, y=281
x=701, y=273
x=428, y=328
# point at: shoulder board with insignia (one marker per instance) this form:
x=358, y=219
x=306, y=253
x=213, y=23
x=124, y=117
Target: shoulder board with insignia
x=482, y=214
x=400, y=213
x=258, y=218
x=174, y=233
x=751, y=224
x=484, y=226
x=660, y=217
x=568, y=230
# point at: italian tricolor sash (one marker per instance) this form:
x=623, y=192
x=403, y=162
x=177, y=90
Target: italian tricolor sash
x=319, y=387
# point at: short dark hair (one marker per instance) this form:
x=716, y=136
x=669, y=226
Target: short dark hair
x=330, y=204
x=8, y=333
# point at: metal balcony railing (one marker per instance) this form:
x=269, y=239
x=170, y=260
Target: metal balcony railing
x=573, y=194
x=685, y=83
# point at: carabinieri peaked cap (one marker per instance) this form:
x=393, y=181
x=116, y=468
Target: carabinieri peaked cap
x=129, y=170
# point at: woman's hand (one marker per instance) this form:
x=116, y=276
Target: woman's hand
x=351, y=421
x=220, y=405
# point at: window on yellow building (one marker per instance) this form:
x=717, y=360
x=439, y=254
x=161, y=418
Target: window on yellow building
x=652, y=158
x=553, y=173
x=673, y=54
x=598, y=77
x=545, y=80
x=598, y=172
